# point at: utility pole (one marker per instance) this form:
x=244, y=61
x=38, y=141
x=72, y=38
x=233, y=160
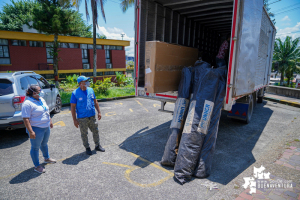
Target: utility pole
x=122, y=35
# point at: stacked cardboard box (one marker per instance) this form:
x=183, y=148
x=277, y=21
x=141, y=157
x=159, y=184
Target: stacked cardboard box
x=164, y=63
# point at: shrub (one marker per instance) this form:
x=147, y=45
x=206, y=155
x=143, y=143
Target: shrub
x=120, y=79
x=103, y=86
x=128, y=81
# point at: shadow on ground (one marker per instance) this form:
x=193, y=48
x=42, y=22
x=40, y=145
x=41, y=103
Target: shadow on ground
x=13, y=138
x=233, y=153
x=25, y=176
x=75, y=159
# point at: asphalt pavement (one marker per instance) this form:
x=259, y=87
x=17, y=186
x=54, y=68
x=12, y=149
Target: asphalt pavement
x=134, y=134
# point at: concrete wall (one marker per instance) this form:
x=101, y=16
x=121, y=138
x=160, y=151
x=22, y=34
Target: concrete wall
x=289, y=92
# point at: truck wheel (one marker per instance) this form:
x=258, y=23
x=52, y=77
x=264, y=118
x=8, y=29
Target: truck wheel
x=260, y=99
x=57, y=106
x=260, y=95
x=250, y=109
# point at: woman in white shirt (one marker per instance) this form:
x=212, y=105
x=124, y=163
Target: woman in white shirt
x=37, y=120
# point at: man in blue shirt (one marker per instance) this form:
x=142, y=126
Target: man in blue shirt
x=83, y=103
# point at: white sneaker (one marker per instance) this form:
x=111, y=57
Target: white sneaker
x=50, y=161
x=40, y=169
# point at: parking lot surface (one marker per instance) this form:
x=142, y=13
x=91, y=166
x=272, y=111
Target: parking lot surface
x=134, y=134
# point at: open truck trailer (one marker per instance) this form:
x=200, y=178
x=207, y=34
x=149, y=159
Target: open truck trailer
x=203, y=24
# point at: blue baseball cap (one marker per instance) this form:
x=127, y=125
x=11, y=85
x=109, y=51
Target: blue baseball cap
x=82, y=78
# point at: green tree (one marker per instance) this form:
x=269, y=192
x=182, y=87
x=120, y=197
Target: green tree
x=125, y=4
x=55, y=18
x=101, y=36
x=14, y=15
x=266, y=5
x=286, y=54
x=95, y=6
x=294, y=68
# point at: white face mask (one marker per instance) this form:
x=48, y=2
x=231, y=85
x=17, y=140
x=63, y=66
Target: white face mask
x=42, y=93
x=87, y=84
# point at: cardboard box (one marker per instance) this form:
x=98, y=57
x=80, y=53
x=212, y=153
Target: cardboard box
x=164, y=63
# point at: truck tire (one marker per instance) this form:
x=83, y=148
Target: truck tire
x=260, y=95
x=250, y=109
x=57, y=106
x=260, y=99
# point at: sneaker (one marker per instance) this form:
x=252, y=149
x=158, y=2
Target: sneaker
x=40, y=169
x=50, y=161
x=89, y=151
x=99, y=148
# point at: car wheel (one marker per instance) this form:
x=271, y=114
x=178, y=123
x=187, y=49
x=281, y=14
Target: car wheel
x=58, y=105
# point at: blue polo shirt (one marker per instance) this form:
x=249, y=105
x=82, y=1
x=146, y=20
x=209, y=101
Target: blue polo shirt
x=84, y=100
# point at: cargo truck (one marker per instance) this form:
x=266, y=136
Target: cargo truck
x=203, y=24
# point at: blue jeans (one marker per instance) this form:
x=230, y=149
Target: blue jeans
x=220, y=62
x=40, y=142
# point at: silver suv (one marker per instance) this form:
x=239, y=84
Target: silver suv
x=13, y=93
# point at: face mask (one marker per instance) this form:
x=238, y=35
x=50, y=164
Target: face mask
x=87, y=84
x=41, y=94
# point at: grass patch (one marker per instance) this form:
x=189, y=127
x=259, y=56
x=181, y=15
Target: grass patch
x=297, y=140
x=112, y=92
x=65, y=97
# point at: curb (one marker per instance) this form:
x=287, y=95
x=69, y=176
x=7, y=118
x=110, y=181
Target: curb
x=104, y=100
x=286, y=102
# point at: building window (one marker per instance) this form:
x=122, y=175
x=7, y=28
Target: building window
x=99, y=73
x=107, y=56
x=87, y=74
x=49, y=46
x=4, y=52
x=68, y=45
x=67, y=74
x=18, y=42
x=90, y=46
x=109, y=73
x=119, y=47
x=84, y=52
x=35, y=44
x=48, y=76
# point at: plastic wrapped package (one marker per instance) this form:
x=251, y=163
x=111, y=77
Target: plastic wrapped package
x=204, y=164
x=207, y=85
x=180, y=111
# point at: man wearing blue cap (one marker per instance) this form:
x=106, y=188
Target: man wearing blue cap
x=83, y=103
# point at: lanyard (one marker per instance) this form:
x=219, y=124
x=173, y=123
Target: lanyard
x=41, y=103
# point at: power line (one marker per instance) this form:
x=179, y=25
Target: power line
x=281, y=9
x=288, y=33
x=286, y=11
x=274, y=2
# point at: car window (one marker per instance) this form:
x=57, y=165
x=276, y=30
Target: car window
x=24, y=83
x=42, y=82
x=5, y=87
x=31, y=80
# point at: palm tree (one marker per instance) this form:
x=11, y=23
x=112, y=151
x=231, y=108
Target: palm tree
x=95, y=5
x=101, y=36
x=125, y=4
x=286, y=54
x=292, y=69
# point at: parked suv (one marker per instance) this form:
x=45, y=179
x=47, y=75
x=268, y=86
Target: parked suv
x=13, y=93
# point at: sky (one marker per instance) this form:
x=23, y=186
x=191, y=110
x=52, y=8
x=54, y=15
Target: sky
x=287, y=16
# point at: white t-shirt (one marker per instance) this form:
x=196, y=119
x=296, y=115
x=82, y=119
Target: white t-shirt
x=35, y=111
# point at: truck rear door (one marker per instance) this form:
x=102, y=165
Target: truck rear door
x=247, y=48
